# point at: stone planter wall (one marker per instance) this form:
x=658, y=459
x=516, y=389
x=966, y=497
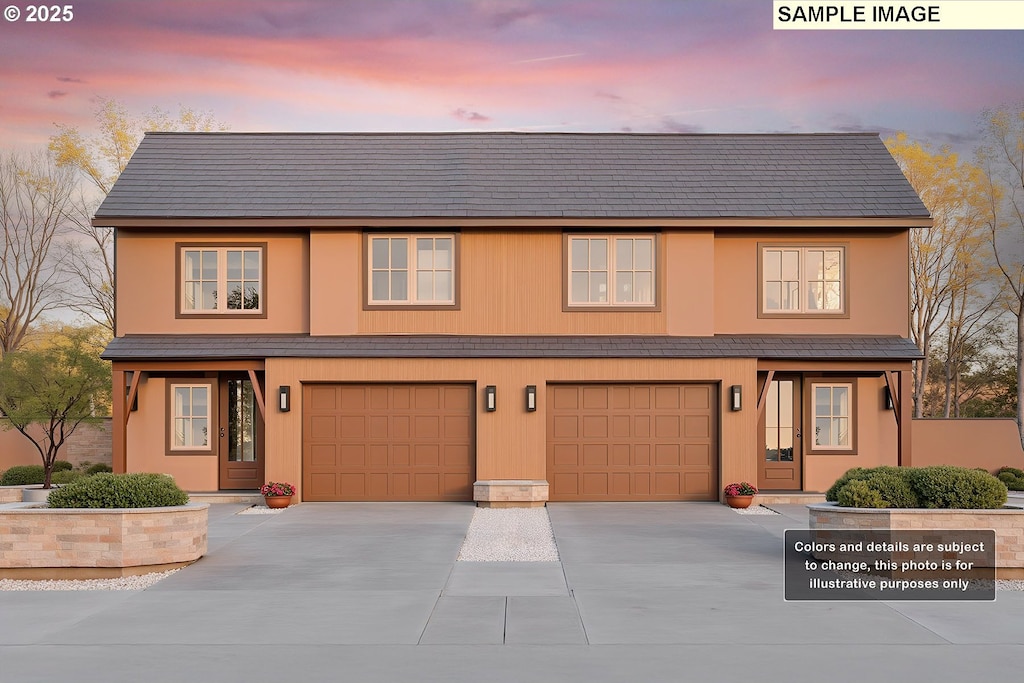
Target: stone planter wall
x=10, y=494
x=37, y=537
x=1008, y=523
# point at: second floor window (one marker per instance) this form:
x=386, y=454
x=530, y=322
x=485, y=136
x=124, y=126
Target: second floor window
x=613, y=270
x=412, y=270
x=803, y=280
x=225, y=280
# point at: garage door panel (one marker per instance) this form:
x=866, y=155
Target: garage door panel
x=388, y=442
x=632, y=442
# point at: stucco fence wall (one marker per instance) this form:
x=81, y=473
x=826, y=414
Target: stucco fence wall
x=983, y=442
x=39, y=537
x=90, y=443
x=1008, y=523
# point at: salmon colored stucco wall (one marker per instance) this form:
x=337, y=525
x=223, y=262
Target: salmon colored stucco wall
x=146, y=277
x=877, y=283
x=876, y=438
x=511, y=443
x=147, y=443
x=989, y=443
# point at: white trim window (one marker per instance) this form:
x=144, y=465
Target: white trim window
x=208, y=271
x=190, y=417
x=832, y=416
x=412, y=270
x=611, y=270
x=803, y=279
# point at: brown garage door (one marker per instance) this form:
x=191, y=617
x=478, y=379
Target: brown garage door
x=388, y=442
x=633, y=442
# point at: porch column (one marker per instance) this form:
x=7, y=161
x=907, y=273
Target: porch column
x=118, y=426
x=905, y=385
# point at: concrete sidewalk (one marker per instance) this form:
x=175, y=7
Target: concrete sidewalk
x=372, y=592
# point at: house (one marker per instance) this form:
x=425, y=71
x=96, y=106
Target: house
x=511, y=317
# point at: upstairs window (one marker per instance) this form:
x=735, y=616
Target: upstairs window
x=219, y=280
x=411, y=270
x=803, y=280
x=611, y=270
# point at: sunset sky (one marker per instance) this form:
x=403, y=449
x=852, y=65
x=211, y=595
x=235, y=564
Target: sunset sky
x=529, y=65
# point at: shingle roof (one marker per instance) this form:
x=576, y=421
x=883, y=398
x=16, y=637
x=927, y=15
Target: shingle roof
x=513, y=175
x=778, y=347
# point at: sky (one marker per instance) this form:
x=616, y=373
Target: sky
x=696, y=66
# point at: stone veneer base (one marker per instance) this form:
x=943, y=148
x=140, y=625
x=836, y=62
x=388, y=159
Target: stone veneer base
x=1008, y=523
x=511, y=493
x=38, y=537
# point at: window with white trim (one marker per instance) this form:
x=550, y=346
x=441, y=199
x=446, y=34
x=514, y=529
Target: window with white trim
x=803, y=280
x=226, y=280
x=832, y=415
x=190, y=417
x=613, y=270
x=411, y=270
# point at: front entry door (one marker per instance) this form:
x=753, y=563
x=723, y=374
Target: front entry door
x=241, y=435
x=782, y=454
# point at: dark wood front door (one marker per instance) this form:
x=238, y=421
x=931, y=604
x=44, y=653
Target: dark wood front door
x=241, y=435
x=781, y=459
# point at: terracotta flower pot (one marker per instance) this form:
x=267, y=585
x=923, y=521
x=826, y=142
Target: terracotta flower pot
x=739, y=501
x=278, y=501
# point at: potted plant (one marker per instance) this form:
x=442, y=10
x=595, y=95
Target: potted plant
x=740, y=494
x=277, y=494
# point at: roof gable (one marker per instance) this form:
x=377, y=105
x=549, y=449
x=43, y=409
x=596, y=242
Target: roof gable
x=510, y=175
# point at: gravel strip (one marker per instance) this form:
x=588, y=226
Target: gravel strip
x=124, y=583
x=509, y=535
x=755, y=510
x=260, y=510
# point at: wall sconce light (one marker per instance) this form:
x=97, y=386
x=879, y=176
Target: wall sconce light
x=531, y=398
x=284, y=398
x=490, y=398
x=887, y=398
x=736, y=397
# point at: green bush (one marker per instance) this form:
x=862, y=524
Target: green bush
x=856, y=493
x=97, y=468
x=62, y=466
x=20, y=475
x=893, y=486
x=105, y=490
x=65, y=477
x=853, y=474
x=1012, y=477
x=945, y=486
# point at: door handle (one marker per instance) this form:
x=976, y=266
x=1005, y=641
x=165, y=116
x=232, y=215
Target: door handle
x=798, y=434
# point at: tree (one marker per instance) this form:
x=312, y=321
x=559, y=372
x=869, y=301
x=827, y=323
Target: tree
x=57, y=386
x=1002, y=158
x=35, y=196
x=947, y=295
x=100, y=158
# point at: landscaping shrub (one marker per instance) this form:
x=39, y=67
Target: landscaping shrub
x=62, y=466
x=20, y=475
x=65, y=477
x=105, y=490
x=945, y=486
x=97, y=468
x=893, y=486
x=1012, y=477
x=857, y=494
x=852, y=474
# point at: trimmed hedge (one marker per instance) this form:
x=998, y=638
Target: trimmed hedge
x=938, y=487
x=20, y=475
x=62, y=466
x=1012, y=477
x=105, y=490
x=66, y=477
x=97, y=468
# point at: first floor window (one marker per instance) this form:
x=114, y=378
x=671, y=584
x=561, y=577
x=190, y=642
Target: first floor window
x=410, y=269
x=190, y=417
x=222, y=280
x=611, y=270
x=832, y=415
x=803, y=280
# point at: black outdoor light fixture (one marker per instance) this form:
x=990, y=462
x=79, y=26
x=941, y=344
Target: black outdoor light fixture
x=531, y=398
x=887, y=398
x=736, y=397
x=284, y=398
x=490, y=398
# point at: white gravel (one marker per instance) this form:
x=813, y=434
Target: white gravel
x=261, y=510
x=755, y=510
x=125, y=583
x=509, y=535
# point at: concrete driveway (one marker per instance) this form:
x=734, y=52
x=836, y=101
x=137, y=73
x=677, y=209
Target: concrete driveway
x=373, y=592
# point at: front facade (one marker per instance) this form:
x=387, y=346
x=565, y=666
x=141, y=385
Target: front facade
x=511, y=317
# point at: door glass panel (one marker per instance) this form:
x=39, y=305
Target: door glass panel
x=241, y=421
x=779, y=422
